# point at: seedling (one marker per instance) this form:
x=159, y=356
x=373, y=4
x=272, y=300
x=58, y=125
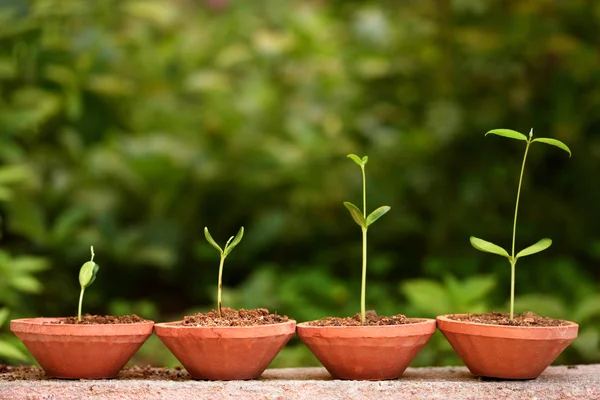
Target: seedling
x=231, y=243
x=364, y=222
x=543, y=244
x=87, y=276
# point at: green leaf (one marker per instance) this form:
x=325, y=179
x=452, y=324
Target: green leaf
x=87, y=274
x=3, y=315
x=554, y=142
x=211, y=240
x=26, y=283
x=488, y=247
x=375, y=215
x=535, y=248
x=236, y=240
x=356, y=159
x=8, y=350
x=356, y=214
x=365, y=159
x=508, y=133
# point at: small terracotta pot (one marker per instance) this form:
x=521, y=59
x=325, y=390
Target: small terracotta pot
x=80, y=351
x=507, y=352
x=225, y=353
x=367, y=352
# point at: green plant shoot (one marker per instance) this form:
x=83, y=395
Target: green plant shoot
x=541, y=245
x=87, y=276
x=364, y=221
x=231, y=243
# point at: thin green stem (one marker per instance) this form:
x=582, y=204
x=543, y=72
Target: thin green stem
x=80, y=303
x=364, y=179
x=220, y=287
x=512, y=289
x=513, y=260
x=518, y=196
x=364, y=277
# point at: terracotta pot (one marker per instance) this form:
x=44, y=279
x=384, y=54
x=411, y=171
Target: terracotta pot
x=507, y=352
x=367, y=352
x=225, y=353
x=80, y=351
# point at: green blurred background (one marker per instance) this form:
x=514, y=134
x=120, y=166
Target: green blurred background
x=132, y=124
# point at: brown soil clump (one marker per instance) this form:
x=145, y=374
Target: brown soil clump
x=151, y=373
x=497, y=318
x=101, y=320
x=231, y=317
x=371, y=319
x=21, y=373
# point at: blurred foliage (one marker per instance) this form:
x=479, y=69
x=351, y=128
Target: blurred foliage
x=132, y=124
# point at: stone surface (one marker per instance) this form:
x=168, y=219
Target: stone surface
x=561, y=382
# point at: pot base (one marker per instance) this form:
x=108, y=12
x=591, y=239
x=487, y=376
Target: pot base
x=367, y=352
x=506, y=352
x=81, y=351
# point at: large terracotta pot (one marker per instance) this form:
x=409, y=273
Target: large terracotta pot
x=367, y=352
x=507, y=352
x=225, y=353
x=81, y=351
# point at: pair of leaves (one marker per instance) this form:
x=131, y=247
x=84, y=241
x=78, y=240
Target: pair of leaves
x=360, y=218
x=489, y=247
x=231, y=243
x=359, y=161
x=87, y=273
x=519, y=136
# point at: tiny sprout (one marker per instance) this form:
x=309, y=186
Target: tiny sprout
x=231, y=243
x=87, y=276
x=364, y=222
x=543, y=244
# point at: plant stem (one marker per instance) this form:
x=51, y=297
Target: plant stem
x=513, y=261
x=80, y=302
x=363, y=287
x=512, y=288
x=364, y=277
x=220, y=287
x=364, y=179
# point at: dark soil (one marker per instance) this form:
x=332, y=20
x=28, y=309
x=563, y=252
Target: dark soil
x=101, y=320
x=496, y=318
x=231, y=317
x=31, y=373
x=371, y=319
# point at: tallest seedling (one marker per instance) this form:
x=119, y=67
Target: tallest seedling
x=364, y=222
x=543, y=244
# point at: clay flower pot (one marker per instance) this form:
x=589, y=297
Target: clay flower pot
x=80, y=351
x=507, y=352
x=367, y=352
x=225, y=352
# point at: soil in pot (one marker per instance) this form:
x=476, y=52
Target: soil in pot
x=100, y=320
x=381, y=349
x=238, y=345
x=371, y=319
x=96, y=348
x=231, y=317
x=496, y=318
x=491, y=345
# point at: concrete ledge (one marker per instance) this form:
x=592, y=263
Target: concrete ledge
x=561, y=382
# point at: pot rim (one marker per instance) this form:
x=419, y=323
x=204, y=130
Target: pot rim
x=417, y=322
x=41, y=326
x=444, y=318
x=568, y=331
x=169, y=325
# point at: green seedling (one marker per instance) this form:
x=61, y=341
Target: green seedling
x=231, y=243
x=87, y=276
x=543, y=244
x=364, y=222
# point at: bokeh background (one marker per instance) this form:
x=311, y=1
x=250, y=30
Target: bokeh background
x=132, y=124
